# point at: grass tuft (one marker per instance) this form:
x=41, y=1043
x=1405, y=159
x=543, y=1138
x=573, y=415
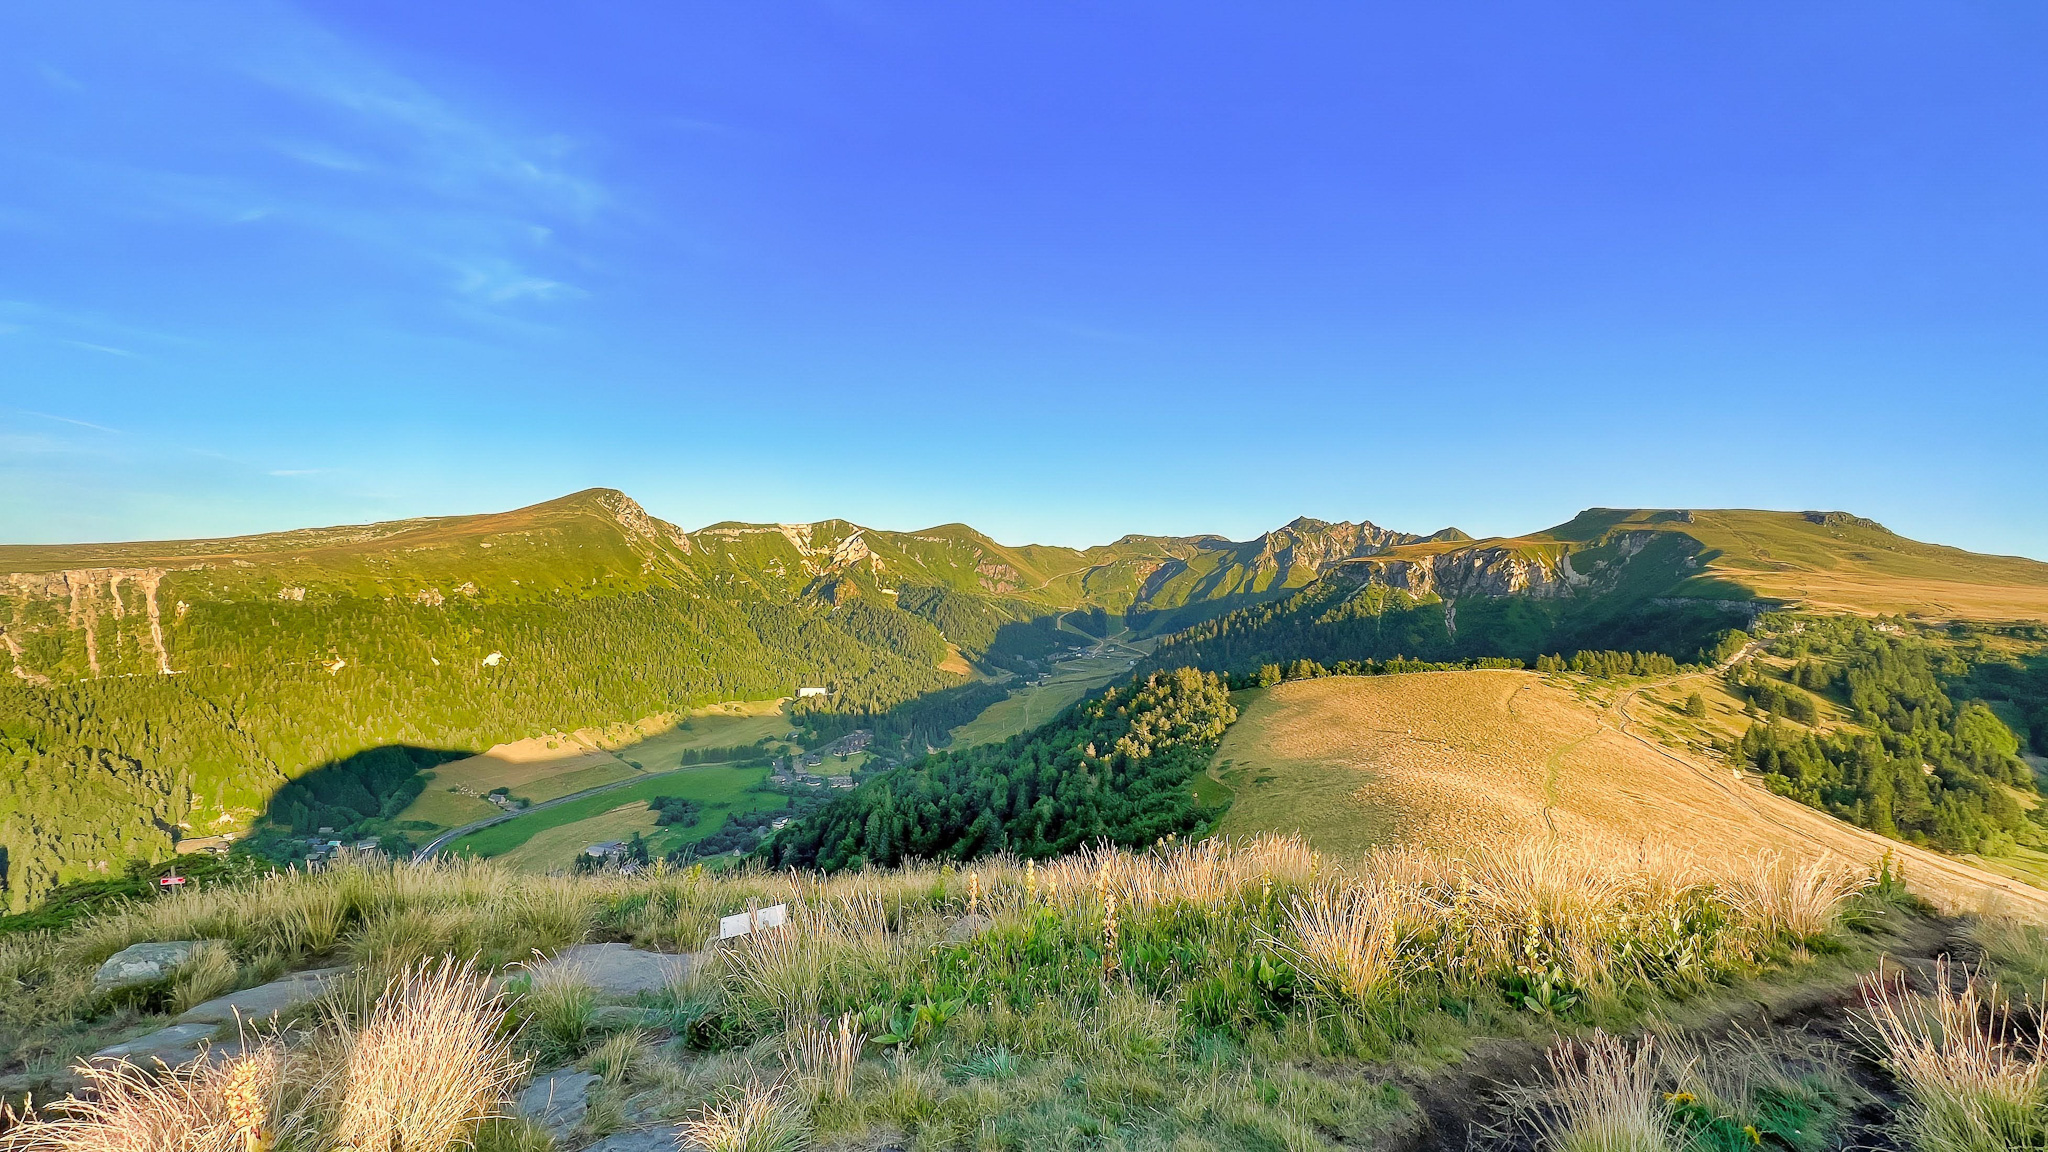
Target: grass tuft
x=1974, y=1080
x=233, y=1106
x=433, y=1060
x=751, y=1117
x=1605, y=1098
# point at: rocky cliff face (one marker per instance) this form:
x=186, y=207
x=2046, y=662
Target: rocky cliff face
x=1317, y=546
x=83, y=621
x=1494, y=571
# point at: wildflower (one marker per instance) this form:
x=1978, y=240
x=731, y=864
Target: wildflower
x=1678, y=1098
x=242, y=1097
x=1755, y=1137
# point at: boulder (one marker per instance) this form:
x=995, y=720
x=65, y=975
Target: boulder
x=968, y=927
x=142, y=964
x=557, y=1101
x=264, y=1002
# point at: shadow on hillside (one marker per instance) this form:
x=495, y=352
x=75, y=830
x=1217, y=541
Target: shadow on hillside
x=344, y=795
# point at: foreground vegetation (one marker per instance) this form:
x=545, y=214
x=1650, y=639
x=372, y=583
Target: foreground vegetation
x=1206, y=995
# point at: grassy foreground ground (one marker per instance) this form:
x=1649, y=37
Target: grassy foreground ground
x=1223, y=994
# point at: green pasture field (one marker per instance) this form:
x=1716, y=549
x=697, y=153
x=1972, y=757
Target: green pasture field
x=720, y=788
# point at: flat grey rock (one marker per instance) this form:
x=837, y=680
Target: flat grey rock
x=142, y=964
x=557, y=1101
x=180, y=1040
x=667, y=1138
x=264, y=1002
x=621, y=969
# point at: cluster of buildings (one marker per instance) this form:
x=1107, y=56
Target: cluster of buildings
x=320, y=849
x=793, y=772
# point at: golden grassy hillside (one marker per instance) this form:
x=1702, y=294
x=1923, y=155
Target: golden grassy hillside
x=1831, y=561
x=1452, y=761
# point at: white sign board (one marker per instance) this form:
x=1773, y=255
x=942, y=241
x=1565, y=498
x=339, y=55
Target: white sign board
x=741, y=923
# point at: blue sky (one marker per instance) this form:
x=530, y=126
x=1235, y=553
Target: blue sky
x=1059, y=271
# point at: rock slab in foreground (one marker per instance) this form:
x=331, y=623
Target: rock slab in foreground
x=173, y=1045
x=264, y=1002
x=664, y=1139
x=557, y=1101
x=142, y=964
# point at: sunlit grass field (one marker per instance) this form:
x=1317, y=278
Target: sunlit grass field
x=1445, y=760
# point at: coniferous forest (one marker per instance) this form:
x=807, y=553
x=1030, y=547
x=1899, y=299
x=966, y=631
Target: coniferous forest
x=1113, y=768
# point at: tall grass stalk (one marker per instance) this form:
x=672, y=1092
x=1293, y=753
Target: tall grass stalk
x=823, y=1056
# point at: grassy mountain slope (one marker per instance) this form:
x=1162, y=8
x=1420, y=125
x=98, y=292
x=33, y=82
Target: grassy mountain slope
x=1831, y=561
x=1465, y=760
x=1627, y=579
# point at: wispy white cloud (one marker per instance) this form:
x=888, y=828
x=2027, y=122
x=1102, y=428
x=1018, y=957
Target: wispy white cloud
x=58, y=78
x=68, y=420
x=106, y=348
x=403, y=168
x=82, y=329
x=500, y=282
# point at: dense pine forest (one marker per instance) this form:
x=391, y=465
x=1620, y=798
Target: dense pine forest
x=1343, y=618
x=356, y=695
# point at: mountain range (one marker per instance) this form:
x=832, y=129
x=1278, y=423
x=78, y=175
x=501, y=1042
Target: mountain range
x=160, y=690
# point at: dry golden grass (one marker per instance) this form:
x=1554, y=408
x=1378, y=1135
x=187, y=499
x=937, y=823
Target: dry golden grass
x=1605, y=1098
x=1451, y=761
x=432, y=1061
x=822, y=1056
x=233, y=1106
x=753, y=1117
x=1348, y=939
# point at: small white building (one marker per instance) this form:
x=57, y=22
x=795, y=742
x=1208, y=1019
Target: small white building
x=803, y=692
